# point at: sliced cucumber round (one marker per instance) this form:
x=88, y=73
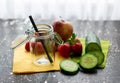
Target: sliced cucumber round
x=99, y=55
x=69, y=67
x=88, y=61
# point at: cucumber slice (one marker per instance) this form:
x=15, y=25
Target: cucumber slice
x=99, y=55
x=92, y=43
x=69, y=67
x=88, y=61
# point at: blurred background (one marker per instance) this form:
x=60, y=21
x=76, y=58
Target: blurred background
x=49, y=9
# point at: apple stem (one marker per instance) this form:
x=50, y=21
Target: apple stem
x=60, y=17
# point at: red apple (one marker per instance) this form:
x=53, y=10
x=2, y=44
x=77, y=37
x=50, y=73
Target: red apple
x=63, y=28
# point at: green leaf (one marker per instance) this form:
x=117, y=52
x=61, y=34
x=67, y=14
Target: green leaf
x=73, y=36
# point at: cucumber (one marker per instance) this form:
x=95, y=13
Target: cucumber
x=100, y=56
x=69, y=67
x=92, y=43
x=88, y=61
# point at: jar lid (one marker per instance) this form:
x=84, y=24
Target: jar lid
x=18, y=41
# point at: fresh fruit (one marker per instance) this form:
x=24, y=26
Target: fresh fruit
x=77, y=48
x=69, y=67
x=73, y=39
x=92, y=43
x=64, y=50
x=38, y=48
x=27, y=46
x=88, y=61
x=76, y=45
x=63, y=28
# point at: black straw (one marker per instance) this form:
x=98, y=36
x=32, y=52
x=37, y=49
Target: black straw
x=33, y=23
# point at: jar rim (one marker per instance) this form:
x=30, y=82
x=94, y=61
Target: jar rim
x=47, y=28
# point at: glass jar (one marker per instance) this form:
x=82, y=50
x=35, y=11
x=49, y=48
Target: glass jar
x=42, y=44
